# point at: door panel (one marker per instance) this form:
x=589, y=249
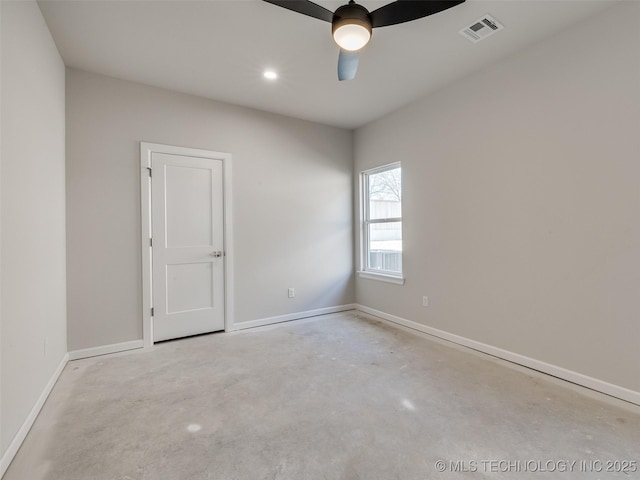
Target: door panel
x=189, y=209
x=187, y=226
x=189, y=287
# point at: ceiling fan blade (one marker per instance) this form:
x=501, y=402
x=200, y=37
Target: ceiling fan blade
x=407, y=10
x=347, y=65
x=306, y=8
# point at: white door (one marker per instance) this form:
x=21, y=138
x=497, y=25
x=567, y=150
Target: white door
x=187, y=250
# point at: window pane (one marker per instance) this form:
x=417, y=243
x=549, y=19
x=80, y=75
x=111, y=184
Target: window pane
x=385, y=247
x=385, y=194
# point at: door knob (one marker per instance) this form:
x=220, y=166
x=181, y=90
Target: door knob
x=216, y=254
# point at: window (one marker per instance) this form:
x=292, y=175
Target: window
x=382, y=223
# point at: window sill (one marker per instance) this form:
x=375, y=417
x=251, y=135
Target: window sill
x=381, y=277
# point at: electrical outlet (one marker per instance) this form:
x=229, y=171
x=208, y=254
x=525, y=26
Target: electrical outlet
x=425, y=301
x=291, y=292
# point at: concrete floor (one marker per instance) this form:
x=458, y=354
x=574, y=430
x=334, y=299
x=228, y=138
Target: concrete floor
x=335, y=397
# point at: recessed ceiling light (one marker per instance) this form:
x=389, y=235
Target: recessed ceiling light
x=270, y=75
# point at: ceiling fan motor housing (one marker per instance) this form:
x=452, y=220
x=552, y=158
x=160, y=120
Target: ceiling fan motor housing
x=351, y=14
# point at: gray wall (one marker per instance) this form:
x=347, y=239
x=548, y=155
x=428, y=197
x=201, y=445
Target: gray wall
x=32, y=215
x=522, y=202
x=292, y=219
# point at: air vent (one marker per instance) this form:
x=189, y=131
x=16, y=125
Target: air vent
x=483, y=28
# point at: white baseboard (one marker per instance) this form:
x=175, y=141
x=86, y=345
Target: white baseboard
x=292, y=316
x=15, y=444
x=559, y=372
x=105, y=349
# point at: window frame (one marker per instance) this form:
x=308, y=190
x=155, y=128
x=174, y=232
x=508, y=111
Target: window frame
x=365, y=221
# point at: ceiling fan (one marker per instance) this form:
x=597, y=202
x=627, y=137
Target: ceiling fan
x=352, y=24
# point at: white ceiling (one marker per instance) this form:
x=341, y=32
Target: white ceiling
x=219, y=48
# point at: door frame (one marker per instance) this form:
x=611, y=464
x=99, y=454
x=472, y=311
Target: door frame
x=146, y=150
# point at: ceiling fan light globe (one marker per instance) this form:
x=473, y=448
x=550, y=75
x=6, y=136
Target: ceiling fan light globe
x=351, y=36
